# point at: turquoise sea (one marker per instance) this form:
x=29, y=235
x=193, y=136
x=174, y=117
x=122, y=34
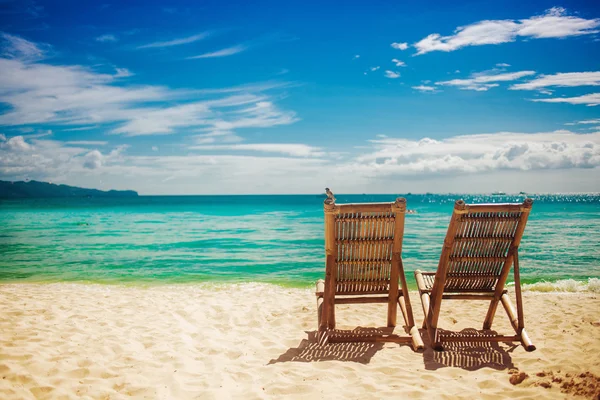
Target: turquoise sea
x=276, y=239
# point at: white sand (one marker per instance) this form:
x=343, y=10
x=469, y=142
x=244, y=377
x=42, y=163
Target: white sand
x=251, y=341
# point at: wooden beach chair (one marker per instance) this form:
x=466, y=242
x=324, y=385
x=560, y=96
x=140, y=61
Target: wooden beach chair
x=363, y=245
x=481, y=245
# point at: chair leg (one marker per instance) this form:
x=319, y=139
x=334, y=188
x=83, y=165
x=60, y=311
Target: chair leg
x=417, y=341
x=514, y=321
x=431, y=330
x=489, y=318
x=425, y=304
x=321, y=315
x=392, y=309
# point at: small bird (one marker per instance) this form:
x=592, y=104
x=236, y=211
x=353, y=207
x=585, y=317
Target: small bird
x=330, y=197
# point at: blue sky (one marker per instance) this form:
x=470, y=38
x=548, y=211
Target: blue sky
x=290, y=97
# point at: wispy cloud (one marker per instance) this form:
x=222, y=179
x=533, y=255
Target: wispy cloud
x=373, y=69
x=81, y=128
x=391, y=74
x=425, y=88
x=16, y=47
x=592, y=99
x=291, y=149
x=176, y=42
x=229, y=51
x=554, y=23
x=109, y=37
x=569, y=79
x=87, y=142
x=399, y=46
x=502, y=65
x=74, y=95
x=585, y=122
x=483, y=81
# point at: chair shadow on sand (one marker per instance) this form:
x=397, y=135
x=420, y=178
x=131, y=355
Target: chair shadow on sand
x=469, y=356
x=352, y=350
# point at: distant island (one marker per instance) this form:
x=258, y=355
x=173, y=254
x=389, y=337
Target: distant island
x=38, y=190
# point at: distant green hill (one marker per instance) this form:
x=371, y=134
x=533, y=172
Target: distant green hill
x=35, y=189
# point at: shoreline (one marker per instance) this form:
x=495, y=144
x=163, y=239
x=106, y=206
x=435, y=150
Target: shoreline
x=256, y=340
x=568, y=285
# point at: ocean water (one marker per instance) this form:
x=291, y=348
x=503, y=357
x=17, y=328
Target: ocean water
x=276, y=239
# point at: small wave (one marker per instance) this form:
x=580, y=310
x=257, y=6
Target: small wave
x=565, y=285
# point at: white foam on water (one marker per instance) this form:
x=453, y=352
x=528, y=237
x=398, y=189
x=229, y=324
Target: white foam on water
x=565, y=285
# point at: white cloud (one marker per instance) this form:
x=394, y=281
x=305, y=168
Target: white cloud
x=392, y=74
x=592, y=99
x=554, y=23
x=154, y=148
x=399, y=46
x=81, y=128
x=245, y=111
x=483, y=81
x=569, y=79
x=425, y=88
x=75, y=95
x=356, y=56
x=502, y=65
x=15, y=47
x=588, y=121
x=428, y=164
x=229, y=51
x=115, y=169
x=53, y=159
x=373, y=69
x=291, y=149
x=92, y=160
x=87, y=142
x=481, y=153
x=15, y=143
x=399, y=63
x=176, y=42
x=109, y=37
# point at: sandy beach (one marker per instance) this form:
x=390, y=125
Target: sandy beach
x=257, y=341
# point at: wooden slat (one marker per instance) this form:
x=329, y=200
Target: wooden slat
x=364, y=207
x=468, y=217
x=360, y=219
x=358, y=281
x=472, y=276
x=365, y=241
x=476, y=259
x=474, y=296
x=361, y=292
x=494, y=207
x=360, y=300
x=363, y=262
x=484, y=238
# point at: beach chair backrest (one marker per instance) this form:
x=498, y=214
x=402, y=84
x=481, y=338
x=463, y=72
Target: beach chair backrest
x=364, y=238
x=480, y=245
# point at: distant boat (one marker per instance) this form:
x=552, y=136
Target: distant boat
x=498, y=193
x=522, y=194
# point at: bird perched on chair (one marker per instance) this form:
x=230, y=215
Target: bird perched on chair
x=330, y=197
